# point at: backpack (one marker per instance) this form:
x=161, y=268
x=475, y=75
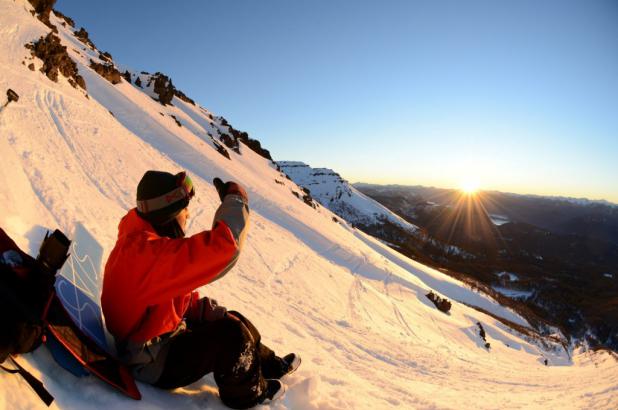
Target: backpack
x=26, y=291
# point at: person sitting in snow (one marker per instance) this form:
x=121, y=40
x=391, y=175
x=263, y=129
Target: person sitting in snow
x=166, y=333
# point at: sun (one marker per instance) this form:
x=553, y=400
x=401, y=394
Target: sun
x=469, y=186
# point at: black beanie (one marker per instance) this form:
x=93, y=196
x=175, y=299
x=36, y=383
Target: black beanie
x=155, y=184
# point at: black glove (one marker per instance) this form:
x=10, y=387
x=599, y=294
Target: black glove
x=229, y=188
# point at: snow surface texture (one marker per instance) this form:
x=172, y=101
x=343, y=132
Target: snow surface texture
x=353, y=308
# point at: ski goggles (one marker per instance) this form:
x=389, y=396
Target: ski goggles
x=184, y=190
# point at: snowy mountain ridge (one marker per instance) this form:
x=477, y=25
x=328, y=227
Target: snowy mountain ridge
x=353, y=308
x=338, y=195
x=363, y=212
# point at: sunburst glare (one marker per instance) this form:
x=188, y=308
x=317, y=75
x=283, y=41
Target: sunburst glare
x=469, y=186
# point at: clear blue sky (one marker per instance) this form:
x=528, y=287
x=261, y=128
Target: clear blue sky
x=521, y=96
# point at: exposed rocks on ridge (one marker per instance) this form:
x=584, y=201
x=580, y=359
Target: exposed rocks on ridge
x=56, y=59
x=105, y=56
x=127, y=76
x=163, y=87
x=107, y=71
x=82, y=35
x=183, y=97
x=67, y=19
x=232, y=142
x=43, y=8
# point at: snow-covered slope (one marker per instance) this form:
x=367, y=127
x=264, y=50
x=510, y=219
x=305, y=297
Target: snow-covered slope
x=353, y=308
x=335, y=193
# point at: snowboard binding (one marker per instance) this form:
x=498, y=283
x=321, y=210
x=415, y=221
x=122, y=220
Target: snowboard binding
x=54, y=252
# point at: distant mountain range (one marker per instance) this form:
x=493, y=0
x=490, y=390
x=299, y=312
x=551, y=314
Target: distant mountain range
x=563, y=252
x=597, y=219
x=555, y=260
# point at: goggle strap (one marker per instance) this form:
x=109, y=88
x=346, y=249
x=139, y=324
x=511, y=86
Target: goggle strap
x=163, y=201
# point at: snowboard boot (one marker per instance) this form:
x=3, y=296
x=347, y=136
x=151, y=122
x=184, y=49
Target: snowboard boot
x=281, y=366
x=289, y=363
x=274, y=391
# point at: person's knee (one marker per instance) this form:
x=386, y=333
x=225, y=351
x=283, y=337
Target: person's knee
x=233, y=332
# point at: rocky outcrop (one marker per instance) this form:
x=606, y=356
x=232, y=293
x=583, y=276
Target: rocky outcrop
x=107, y=71
x=82, y=35
x=183, y=97
x=105, y=56
x=230, y=142
x=307, y=199
x=68, y=20
x=127, y=76
x=56, y=59
x=43, y=8
x=163, y=87
x=138, y=82
x=237, y=136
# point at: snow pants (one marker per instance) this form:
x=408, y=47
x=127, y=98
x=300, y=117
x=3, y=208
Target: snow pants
x=231, y=348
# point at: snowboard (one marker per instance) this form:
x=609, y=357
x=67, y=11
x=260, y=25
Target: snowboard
x=77, y=338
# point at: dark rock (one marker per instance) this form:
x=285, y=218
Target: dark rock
x=221, y=149
x=11, y=96
x=107, y=71
x=43, y=8
x=127, y=76
x=481, y=331
x=308, y=200
x=183, y=97
x=335, y=220
x=176, y=119
x=257, y=147
x=163, y=87
x=279, y=182
x=31, y=66
x=105, y=56
x=254, y=145
x=112, y=114
x=231, y=143
x=443, y=304
x=82, y=35
x=67, y=19
x=138, y=82
x=56, y=59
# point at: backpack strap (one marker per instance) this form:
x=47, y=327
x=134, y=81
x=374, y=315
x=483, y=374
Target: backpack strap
x=35, y=383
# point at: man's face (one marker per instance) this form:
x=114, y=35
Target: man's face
x=182, y=218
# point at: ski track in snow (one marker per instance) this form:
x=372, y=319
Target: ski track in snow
x=353, y=308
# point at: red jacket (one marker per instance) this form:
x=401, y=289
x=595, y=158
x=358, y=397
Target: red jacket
x=148, y=279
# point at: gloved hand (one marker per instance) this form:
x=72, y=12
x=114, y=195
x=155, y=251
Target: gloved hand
x=229, y=188
x=205, y=310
